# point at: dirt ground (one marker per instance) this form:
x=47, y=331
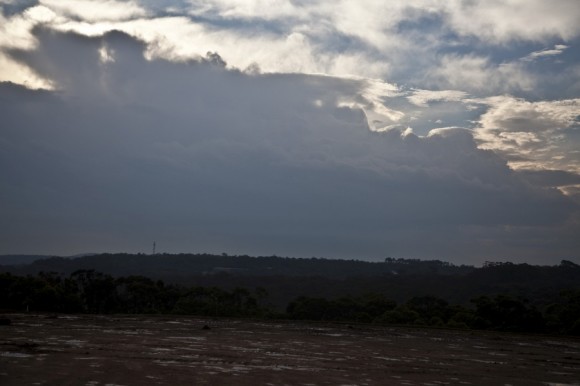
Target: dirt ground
x=155, y=350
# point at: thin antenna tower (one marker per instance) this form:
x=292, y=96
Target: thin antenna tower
x=154, y=247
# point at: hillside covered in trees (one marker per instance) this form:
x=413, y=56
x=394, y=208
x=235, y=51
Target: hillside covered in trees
x=288, y=278
x=502, y=296
x=175, y=265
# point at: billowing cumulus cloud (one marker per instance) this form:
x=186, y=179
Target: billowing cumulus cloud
x=16, y=33
x=370, y=38
x=504, y=21
x=536, y=135
x=413, y=129
x=478, y=74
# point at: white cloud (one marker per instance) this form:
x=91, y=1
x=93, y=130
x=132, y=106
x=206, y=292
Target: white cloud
x=513, y=114
x=374, y=21
x=557, y=50
x=181, y=39
x=511, y=20
x=16, y=31
x=16, y=34
x=12, y=71
x=370, y=38
x=373, y=100
x=422, y=98
x=250, y=9
x=96, y=10
x=477, y=74
x=536, y=135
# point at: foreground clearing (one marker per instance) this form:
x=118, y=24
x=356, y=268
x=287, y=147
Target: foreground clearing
x=166, y=350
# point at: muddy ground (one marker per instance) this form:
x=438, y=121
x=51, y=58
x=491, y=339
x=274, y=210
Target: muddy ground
x=155, y=350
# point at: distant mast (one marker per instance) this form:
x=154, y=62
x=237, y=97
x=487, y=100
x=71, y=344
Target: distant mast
x=154, y=247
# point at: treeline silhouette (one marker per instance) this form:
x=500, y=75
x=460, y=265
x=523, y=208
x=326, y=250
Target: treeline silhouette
x=89, y=291
x=288, y=278
x=185, y=264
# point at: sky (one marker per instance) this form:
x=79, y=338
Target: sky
x=411, y=129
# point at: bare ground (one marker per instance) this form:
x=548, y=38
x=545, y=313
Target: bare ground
x=155, y=350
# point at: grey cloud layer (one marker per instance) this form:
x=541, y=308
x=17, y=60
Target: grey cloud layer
x=204, y=158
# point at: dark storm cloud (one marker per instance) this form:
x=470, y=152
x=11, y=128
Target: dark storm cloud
x=550, y=178
x=201, y=158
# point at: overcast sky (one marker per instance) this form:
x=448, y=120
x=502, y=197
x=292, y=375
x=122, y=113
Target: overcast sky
x=342, y=129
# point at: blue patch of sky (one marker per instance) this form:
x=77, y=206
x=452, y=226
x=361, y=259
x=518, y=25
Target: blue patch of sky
x=335, y=41
x=434, y=25
x=573, y=133
x=496, y=53
x=436, y=114
x=444, y=114
x=424, y=23
x=556, y=74
x=161, y=6
x=243, y=26
x=12, y=9
x=431, y=29
x=549, y=64
x=213, y=18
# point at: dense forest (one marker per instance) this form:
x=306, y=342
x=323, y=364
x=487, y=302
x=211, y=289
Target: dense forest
x=88, y=291
x=499, y=296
